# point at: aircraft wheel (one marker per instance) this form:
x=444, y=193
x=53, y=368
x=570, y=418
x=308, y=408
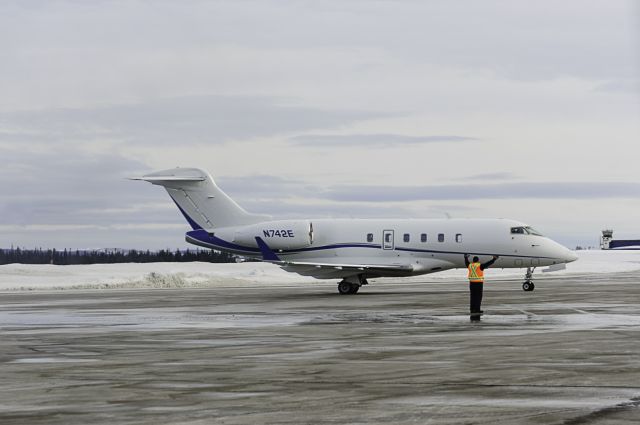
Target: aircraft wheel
x=344, y=288
x=528, y=286
x=354, y=289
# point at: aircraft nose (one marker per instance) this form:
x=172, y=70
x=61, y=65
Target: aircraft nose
x=570, y=256
x=562, y=253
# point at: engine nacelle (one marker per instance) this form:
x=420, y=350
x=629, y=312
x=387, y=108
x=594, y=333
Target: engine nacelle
x=281, y=234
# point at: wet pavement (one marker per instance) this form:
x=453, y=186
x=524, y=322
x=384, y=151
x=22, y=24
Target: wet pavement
x=567, y=353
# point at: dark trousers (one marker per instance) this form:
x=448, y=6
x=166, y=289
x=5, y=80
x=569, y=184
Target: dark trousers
x=475, y=293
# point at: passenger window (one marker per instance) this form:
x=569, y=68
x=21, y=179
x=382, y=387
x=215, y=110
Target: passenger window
x=459, y=237
x=406, y=237
x=423, y=237
x=369, y=237
x=387, y=238
x=440, y=237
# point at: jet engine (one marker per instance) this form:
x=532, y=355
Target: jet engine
x=278, y=235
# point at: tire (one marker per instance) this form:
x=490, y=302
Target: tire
x=344, y=288
x=527, y=286
x=354, y=289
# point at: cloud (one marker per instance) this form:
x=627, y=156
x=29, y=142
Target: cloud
x=264, y=186
x=490, y=176
x=531, y=190
x=265, y=190
x=514, y=40
x=180, y=120
x=282, y=209
x=380, y=140
x=627, y=86
x=294, y=198
x=64, y=186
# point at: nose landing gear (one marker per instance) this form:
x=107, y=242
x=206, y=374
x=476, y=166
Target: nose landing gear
x=528, y=280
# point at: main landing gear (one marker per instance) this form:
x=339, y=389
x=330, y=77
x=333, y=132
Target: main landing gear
x=528, y=280
x=351, y=285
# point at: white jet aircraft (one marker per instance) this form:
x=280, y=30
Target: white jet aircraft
x=353, y=250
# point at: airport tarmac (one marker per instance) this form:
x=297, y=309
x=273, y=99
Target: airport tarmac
x=567, y=353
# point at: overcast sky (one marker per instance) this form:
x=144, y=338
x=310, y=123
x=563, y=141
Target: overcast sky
x=518, y=109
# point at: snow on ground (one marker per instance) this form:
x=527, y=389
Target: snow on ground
x=175, y=275
x=141, y=275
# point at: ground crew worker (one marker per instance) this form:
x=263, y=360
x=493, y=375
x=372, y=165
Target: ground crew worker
x=476, y=282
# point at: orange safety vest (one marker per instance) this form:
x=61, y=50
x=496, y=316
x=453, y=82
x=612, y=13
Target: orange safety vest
x=476, y=274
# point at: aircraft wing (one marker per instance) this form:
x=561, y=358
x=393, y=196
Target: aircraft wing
x=321, y=270
x=331, y=270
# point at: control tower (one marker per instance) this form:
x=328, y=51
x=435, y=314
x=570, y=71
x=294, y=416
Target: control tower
x=605, y=240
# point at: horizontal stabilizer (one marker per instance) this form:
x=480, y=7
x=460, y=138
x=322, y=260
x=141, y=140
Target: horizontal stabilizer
x=170, y=178
x=200, y=200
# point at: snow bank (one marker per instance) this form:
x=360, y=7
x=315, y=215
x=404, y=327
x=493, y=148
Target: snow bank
x=142, y=275
x=176, y=275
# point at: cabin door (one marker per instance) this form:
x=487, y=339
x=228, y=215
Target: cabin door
x=387, y=239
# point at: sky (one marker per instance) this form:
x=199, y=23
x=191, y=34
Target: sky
x=365, y=109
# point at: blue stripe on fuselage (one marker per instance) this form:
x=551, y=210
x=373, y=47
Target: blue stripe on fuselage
x=203, y=236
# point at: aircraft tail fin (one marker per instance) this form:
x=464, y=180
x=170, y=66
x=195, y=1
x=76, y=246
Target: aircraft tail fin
x=201, y=201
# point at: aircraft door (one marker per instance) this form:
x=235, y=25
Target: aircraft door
x=387, y=239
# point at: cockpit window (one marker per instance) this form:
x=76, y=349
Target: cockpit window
x=530, y=230
x=525, y=230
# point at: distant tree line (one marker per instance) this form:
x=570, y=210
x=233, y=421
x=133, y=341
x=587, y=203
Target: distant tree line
x=67, y=257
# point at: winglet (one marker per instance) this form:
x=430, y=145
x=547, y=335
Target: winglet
x=267, y=253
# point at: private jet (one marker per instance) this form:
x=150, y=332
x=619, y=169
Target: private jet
x=353, y=250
